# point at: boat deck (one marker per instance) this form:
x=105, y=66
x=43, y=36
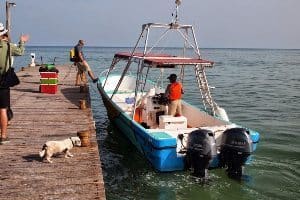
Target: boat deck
x=39, y=117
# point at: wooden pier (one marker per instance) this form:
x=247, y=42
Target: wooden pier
x=39, y=117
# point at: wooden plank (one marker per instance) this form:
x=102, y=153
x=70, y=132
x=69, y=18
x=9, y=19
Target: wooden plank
x=40, y=117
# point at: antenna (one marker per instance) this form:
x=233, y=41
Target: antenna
x=177, y=2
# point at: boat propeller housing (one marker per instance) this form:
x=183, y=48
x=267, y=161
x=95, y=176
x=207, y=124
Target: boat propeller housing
x=236, y=148
x=201, y=149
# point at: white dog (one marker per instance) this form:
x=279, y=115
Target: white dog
x=53, y=147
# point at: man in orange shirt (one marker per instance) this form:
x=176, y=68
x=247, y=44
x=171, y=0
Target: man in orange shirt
x=174, y=92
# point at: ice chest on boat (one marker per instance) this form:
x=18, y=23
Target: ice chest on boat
x=170, y=122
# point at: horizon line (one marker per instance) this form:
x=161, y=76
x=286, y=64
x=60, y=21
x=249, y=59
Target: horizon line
x=261, y=48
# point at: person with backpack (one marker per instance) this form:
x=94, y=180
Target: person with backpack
x=81, y=63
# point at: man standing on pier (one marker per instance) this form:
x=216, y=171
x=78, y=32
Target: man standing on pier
x=15, y=50
x=82, y=64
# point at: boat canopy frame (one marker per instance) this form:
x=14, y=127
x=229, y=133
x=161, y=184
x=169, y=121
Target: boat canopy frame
x=147, y=59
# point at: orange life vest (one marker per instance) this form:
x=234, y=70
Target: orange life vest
x=175, y=91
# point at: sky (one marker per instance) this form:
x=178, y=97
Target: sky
x=273, y=24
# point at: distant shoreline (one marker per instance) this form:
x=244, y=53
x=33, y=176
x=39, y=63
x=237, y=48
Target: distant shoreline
x=235, y=48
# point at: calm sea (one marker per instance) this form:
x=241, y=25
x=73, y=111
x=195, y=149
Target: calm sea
x=259, y=89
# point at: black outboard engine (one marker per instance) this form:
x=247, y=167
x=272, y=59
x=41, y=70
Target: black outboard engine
x=236, y=147
x=201, y=148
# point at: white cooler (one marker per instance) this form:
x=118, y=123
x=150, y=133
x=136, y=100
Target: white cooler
x=170, y=122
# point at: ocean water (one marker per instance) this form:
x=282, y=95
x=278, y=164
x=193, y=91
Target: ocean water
x=259, y=89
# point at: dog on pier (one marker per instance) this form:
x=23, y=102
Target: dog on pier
x=63, y=146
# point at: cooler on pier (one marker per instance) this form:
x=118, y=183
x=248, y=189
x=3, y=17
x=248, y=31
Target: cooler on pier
x=48, y=82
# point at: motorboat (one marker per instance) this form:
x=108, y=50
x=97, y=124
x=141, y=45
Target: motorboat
x=133, y=91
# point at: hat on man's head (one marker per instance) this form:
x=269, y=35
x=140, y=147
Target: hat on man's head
x=172, y=77
x=3, y=30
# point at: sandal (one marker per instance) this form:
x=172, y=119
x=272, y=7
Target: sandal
x=4, y=141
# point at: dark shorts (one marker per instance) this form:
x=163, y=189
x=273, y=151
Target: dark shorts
x=4, y=97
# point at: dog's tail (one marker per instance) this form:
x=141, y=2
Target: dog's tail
x=42, y=153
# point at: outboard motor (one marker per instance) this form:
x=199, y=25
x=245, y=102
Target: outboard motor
x=201, y=148
x=236, y=147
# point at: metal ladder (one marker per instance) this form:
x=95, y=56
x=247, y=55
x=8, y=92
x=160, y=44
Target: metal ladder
x=208, y=102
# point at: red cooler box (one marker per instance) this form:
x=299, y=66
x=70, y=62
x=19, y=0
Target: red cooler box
x=48, y=88
x=49, y=75
x=48, y=82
